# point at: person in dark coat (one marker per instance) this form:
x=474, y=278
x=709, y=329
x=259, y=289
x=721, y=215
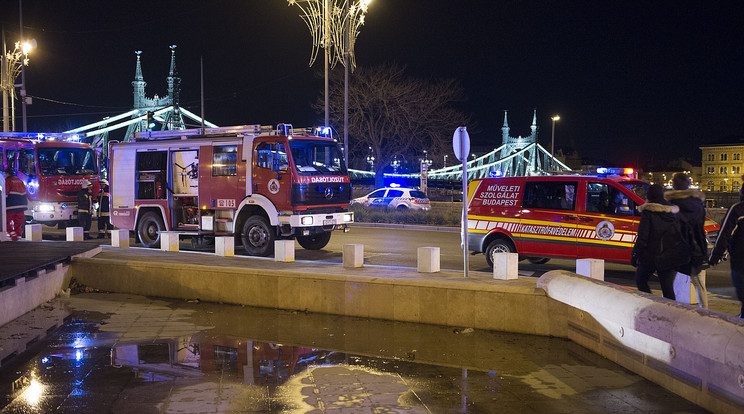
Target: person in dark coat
x=691, y=215
x=657, y=217
x=104, y=222
x=731, y=238
x=85, y=203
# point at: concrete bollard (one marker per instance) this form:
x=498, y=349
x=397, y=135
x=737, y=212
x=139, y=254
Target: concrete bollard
x=75, y=234
x=592, y=268
x=506, y=266
x=428, y=259
x=120, y=238
x=684, y=291
x=224, y=246
x=284, y=251
x=33, y=232
x=353, y=255
x=169, y=241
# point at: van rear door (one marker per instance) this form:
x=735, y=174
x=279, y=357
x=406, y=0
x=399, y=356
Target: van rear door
x=548, y=220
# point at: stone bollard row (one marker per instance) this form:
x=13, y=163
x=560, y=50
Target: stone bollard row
x=428, y=260
x=169, y=241
x=591, y=268
x=74, y=234
x=120, y=238
x=33, y=232
x=284, y=251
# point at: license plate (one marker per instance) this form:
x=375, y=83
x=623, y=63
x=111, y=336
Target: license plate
x=328, y=222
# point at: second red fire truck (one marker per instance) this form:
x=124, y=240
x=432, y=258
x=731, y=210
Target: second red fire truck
x=53, y=166
x=250, y=182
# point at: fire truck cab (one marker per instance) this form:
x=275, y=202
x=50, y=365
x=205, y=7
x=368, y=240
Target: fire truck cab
x=569, y=216
x=251, y=182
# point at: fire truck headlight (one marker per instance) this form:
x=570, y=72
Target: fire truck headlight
x=45, y=208
x=306, y=221
x=348, y=217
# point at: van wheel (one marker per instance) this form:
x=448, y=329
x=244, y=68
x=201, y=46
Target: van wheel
x=149, y=228
x=257, y=236
x=538, y=260
x=498, y=246
x=316, y=241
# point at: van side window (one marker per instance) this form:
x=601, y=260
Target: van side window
x=606, y=199
x=555, y=195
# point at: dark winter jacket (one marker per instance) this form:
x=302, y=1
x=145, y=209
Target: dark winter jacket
x=731, y=237
x=84, y=200
x=691, y=215
x=656, y=219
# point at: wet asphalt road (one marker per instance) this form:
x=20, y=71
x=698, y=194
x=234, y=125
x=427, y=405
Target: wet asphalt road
x=114, y=353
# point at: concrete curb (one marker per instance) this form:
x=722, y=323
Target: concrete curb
x=406, y=226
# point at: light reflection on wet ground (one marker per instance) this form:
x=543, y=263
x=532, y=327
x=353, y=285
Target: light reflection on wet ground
x=130, y=354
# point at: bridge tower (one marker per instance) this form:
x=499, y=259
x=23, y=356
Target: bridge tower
x=169, y=119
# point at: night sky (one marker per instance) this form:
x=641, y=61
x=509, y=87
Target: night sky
x=634, y=82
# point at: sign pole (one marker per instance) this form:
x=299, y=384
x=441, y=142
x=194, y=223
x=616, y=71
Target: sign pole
x=461, y=147
x=465, y=249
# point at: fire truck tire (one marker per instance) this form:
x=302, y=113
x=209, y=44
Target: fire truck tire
x=498, y=246
x=148, y=229
x=316, y=241
x=257, y=236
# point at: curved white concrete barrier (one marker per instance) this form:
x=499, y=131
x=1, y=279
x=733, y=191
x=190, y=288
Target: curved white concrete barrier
x=696, y=353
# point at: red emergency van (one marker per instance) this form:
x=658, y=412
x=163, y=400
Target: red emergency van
x=571, y=216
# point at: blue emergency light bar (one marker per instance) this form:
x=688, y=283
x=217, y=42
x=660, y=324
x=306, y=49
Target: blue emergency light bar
x=615, y=171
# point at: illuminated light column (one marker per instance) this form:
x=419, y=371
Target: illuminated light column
x=334, y=26
x=552, y=143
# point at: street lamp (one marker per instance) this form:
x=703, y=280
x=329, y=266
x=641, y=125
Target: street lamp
x=11, y=65
x=552, y=143
x=445, y=161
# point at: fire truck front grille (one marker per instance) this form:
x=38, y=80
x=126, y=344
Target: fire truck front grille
x=319, y=194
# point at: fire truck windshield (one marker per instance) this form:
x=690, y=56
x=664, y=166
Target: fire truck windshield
x=67, y=161
x=317, y=157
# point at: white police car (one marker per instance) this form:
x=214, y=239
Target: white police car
x=395, y=197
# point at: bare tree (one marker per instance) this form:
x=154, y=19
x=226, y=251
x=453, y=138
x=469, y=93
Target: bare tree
x=396, y=115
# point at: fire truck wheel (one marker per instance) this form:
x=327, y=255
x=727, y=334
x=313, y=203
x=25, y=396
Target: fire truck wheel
x=257, y=236
x=498, y=246
x=316, y=241
x=149, y=228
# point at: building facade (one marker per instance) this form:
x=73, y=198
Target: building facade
x=722, y=167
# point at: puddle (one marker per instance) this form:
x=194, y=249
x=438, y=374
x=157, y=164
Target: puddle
x=122, y=353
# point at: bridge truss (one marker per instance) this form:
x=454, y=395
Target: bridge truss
x=533, y=159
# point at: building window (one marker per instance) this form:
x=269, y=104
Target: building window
x=736, y=157
x=724, y=157
x=723, y=170
x=736, y=170
x=723, y=186
x=711, y=157
x=735, y=186
x=711, y=170
x=710, y=185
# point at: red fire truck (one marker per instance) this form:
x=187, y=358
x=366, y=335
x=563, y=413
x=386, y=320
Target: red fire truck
x=251, y=182
x=53, y=166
